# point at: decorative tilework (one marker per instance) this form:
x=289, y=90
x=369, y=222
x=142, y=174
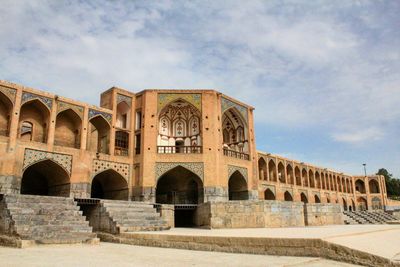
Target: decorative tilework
x=28, y=96
x=9, y=92
x=94, y=113
x=121, y=98
x=33, y=156
x=195, y=167
x=232, y=169
x=102, y=165
x=64, y=106
x=165, y=99
x=227, y=104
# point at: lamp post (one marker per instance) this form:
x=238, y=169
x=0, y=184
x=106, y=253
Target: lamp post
x=365, y=169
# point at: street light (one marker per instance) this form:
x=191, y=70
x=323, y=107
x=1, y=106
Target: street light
x=365, y=169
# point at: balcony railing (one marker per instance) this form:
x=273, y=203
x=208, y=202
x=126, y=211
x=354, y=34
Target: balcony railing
x=236, y=154
x=121, y=151
x=180, y=149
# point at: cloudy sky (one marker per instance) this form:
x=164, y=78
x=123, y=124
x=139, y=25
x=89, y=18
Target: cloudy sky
x=324, y=76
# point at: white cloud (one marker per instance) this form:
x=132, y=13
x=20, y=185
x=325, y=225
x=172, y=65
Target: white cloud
x=359, y=135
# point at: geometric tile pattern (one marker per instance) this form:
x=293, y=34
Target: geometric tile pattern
x=227, y=104
x=29, y=96
x=9, y=92
x=122, y=98
x=94, y=113
x=165, y=99
x=232, y=169
x=195, y=167
x=61, y=106
x=102, y=165
x=33, y=156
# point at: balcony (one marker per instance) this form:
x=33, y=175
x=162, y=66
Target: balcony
x=236, y=154
x=179, y=149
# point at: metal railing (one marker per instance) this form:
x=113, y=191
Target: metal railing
x=236, y=154
x=180, y=149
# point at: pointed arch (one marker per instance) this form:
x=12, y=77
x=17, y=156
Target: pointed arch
x=317, y=199
x=304, y=176
x=109, y=184
x=6, y=108
x=36, y=114
x=373, y=186
x=262, y=169
x=311, y=178
x=123, y=117
x=234, y=128
x=45, y=177
x=237, y=187
x=303, y=198
x=269, y=195
x=68, y=129
x=281, y=173
x=290, y=175
x=287, y=196
x=360, y=186
x=272, y=170
x=297, y=175
x=98, y=135
x=317, y=180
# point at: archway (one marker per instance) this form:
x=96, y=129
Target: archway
x=34, y=121
x=237, y=187
x=297, y=175
x=68, y=129
x=317, y=180
x=179, y=186
x=312, y=179
x=288, y=196
x=305, y=177
x=45, y=178
x=262, y=169
x=344, y=204
x=6, y=107
x=269, y=195
x=360, y=186
x=373, y=186
x=281, y=173
x=98, y=135
x=123, y=115
x=289, y=170
x=376, y=203
x=234, y=129
x=272, y=171
x=317, y=199
x=362, y=203
x=109, y=184
x=303, y=198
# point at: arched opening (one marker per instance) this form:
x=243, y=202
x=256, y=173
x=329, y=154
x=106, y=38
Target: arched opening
x=289, y=171
x=344, y=186
x=312, y=179
x=234, y=130
x=237, y=187
x=328, y=200
x=305, y=177
x=123, y=115
x=262, y=169
x=362, y=203
x=317, y=180
x=288, y=196
x=297, y=175
x=334, y=183
x=68, y=129
x=303, y=198
x=45, y=178
x=179, y=128
x=180, y=186
x=98, y=135
x=6, y=108
x=317, y=199
x=281, y=173
x=344, y=204
x=33, y=121
x=376, y=203
x=339, y=184
x=360, y=186
x=109, y=184
x=272, y=171
x=373, y=186
x=323, y=181
x=269, y=195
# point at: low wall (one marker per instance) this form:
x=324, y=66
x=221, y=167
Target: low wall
x=323, y=214
x=249, y=214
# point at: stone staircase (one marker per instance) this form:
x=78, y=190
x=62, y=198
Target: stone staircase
x=44, y=219
x=367, y=217
x=130, y=216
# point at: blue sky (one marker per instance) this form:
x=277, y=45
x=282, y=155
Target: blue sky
x=324, y=76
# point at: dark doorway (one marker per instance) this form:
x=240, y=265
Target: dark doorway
x=237, y=187
x=109, y=185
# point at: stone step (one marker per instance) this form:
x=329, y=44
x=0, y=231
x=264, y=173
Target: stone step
x=43, y=221
x=128, y=205
x=37, y=199
x=57, y=206
x=146, y=228
x=39, y=211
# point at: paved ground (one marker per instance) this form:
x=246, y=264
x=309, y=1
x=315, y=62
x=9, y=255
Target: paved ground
x=381, y=240
x=107, y=254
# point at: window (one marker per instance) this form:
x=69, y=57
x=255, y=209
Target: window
x=138, y=120
x=121, y=143
x=137, y=143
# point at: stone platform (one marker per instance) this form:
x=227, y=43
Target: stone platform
x=369, y=245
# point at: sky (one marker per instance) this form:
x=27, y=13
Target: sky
x=323, y=76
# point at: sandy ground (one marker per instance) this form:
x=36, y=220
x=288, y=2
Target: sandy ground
x=108, y=254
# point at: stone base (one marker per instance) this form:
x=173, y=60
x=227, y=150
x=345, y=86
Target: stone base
x=145, y=194
x=215, y=194
x=10, y=184
x=80, y=190
x=316, y=214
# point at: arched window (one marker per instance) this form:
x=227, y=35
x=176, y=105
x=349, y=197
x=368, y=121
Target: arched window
x=234, y=129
